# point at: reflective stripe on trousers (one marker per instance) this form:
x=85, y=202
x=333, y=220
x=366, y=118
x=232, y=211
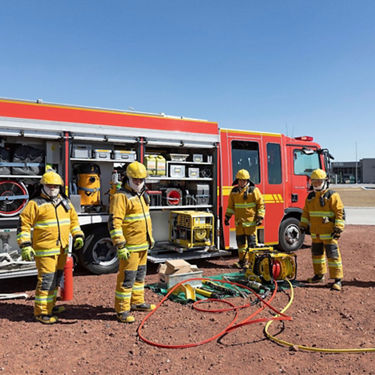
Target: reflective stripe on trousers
x=50, y=272
x=130, y=281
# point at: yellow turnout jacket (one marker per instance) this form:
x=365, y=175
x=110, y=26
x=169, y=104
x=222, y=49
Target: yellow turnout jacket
x=130, y=221
x=52, y=225
x=323, y=211
x=246, y=204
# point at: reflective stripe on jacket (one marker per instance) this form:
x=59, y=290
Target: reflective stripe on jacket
x=52, y=225
x=245, y=210
x=129, y=221
x=322, y=219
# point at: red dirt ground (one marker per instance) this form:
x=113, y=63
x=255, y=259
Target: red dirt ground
x=88, y=340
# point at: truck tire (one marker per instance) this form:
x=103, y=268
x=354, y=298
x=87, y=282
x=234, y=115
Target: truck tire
x=290, y=236
x=98, y=255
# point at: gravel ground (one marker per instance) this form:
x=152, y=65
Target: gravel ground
x=88, y=340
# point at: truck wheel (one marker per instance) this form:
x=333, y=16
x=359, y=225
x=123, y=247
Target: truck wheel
x=98, y=255
x=290, y=236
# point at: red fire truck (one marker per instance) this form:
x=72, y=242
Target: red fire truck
x=191, y=165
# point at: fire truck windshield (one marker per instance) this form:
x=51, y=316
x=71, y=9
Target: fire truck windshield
x=305, y=162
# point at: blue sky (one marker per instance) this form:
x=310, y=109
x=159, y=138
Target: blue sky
x=293, y=67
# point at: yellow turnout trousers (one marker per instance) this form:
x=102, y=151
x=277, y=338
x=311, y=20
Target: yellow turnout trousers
x=50, y=273
x=326, y=248
x=130, y=281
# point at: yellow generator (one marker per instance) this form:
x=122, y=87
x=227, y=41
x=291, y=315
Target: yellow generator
x=191, y=228
x=88, y=181
x=266, y=264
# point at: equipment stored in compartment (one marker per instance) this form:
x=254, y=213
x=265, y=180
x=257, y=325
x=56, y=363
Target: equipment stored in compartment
x=81, y=151
x=178, y=157
x=101, y=154
x=124, y=155
x=201, y=193
x=176, y=171
x=88, y=181
x=173, y=196
x=155, y=197
x=4, y=161
x=30, y=160
x=13, y=197
x=197, y=158
x=160, y=165
x=191, y=228
x=193, y=172
x=150, y=164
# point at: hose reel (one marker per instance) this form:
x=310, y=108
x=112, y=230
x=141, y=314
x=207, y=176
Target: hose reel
x=13, y=197
x=267, y=264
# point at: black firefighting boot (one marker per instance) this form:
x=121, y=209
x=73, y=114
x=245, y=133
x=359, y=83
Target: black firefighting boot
x=125, y=317
x=315, y=279
x=46, y=319
x=336, y=285
x=143, y=307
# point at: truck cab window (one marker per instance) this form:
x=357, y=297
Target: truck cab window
x=245, y=155
x=304, y=163
x=274, y=163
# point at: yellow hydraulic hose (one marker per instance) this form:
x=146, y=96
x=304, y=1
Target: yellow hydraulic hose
x=308, y=348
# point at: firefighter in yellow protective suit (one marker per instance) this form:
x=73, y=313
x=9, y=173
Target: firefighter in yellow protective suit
x=53, y=218
x=246, y=203
x=324, y=214
x=131, y=233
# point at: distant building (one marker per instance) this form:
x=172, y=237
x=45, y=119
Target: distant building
x=353, y=172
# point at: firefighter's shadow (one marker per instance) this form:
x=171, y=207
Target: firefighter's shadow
x=359, y=283
x=16, y=312
x=349, y=283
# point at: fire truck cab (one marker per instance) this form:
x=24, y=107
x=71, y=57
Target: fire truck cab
x=279, y=166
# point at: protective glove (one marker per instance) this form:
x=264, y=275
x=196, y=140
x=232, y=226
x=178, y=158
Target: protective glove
x=78, y=242
x=302, y=229
x=152, y=244
x=336, y=233
x=27, y=253
x=123, y=253
x=258, y=220
x=226, y=220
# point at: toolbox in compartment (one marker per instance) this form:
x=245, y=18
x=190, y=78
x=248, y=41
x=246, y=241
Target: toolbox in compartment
x=81, y=151
x=176, y=171
x=101, y=154
x=124, y=155
x=197, y=158
x=193, y=172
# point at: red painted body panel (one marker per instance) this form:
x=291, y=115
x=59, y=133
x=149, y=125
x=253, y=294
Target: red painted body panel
x=19, y=109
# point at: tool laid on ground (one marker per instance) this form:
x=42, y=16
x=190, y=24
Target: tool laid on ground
x=220, y=288
x=207, y=293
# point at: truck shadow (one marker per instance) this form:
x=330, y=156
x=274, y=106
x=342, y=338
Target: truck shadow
x=24, y=313
x=18, y=284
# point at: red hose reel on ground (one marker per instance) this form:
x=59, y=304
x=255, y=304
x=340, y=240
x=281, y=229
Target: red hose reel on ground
x=13, y=197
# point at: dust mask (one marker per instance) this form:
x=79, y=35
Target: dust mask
x=320, y=187
x=51, y=192
x=137, y=188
